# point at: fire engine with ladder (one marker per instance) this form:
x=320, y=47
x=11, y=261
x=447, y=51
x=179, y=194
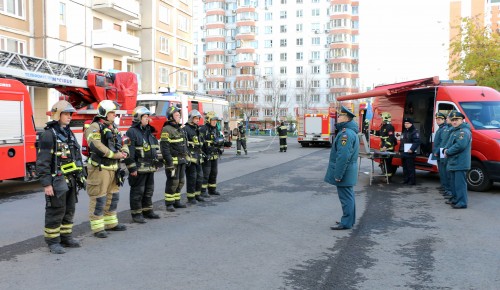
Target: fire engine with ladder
x=83, y=87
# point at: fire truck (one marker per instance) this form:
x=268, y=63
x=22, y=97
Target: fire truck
x=83, y=87
x=315, y=126
x=421, y=99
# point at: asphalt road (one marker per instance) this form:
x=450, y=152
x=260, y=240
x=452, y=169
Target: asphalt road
x=269, y=230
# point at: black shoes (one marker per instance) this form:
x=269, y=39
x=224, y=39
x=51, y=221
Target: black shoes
x=170, y=208
x=70, y=243
x=339, y=228
x=118, y=228
x=205, y=195
x=139, y=218
x=192, y=200
x=199, y=198
x=215, y=192
x=150, y=215
x=101, y=234
x=178, y=204
x=56, y=249
x=454, y=206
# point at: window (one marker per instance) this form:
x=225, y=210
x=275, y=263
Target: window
x=315, y=26
x=97, y=62
x=315, y=1
x=268, y=16
x=12, y=7
x=283, y=56
x=268, y=57
x=298, y=27
x=117, y=27
x=331, y=98
x=97, y=23
x=62, y=13
x=164, y=44
x=117, y=64
x=269, y=98
x=283, y=1
x=299, y=1
x=315, y=84
x=164, y=14
x=268, y=30
x=315, y=41
x=299, y=98
x=315, y=98
x=300, y=41
x=283, y=42
x=282, y=84
x=283, y=70
x=299, y=84
x=163, y=75
x=283, y=28
x=183, y=51
x=299, y=56
x=268, y=84
x=299, y=13
x=268, y=112
x=315, y=69
x=268, y=43
x=182, y=23
x=282, y=14
x=315, y=55
x=315, y=12
x=12, y=45
x=268, y=71
x=183, y=79
x=299, y=70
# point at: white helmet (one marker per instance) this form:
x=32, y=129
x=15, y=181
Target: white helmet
x=105, y=107
x=139, y=112
x=60, y=107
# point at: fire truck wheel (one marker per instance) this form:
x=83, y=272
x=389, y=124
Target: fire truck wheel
x=477, y=177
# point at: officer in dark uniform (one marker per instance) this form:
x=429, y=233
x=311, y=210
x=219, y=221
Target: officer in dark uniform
x=60, y=168
x=445, y=136
x=212, y=142
x=437, y=144
x=194, y=171
x=387, y=143
x=458, y=152
x=410, y=136
x=282, y=133
x=173, y=146
x=142, y=164
x=342, y=168
x=241, y=139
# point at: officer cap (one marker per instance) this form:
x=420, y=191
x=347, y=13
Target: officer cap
x=345, y=112
x=407, y=119
x=440, y=115
x=456, y=115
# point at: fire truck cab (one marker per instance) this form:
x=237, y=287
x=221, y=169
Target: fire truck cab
x=421, y=100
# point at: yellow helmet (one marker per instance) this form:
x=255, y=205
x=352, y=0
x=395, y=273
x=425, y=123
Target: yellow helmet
x=211, y=116
x=60, y=107
x=386, y=116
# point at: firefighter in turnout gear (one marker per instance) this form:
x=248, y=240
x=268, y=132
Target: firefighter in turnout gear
x=106, y=148
x=60, y=168
x=142, y=163
x=241, y=139
x=194, y=171
x=387, y=143
x=212, y=142
x=174, y=151
x=282, y=133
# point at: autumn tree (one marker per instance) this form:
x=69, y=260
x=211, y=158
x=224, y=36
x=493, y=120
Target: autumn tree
x=476, y=54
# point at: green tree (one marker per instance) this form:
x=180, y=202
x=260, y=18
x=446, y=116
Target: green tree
x=476, y=54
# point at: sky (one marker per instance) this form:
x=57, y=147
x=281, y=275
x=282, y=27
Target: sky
x=402, y=40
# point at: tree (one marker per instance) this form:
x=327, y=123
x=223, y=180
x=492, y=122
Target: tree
x=306, y=90
x=275, y=91
x=476, y=54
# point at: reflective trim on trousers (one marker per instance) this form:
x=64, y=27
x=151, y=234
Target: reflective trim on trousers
x=197, y=193
x=169, y=197
x=66, y=229
x=110, y=220
x=97, y=225
x=190, y=195
x=212, y=185
x=177, y=196
x=51, y=233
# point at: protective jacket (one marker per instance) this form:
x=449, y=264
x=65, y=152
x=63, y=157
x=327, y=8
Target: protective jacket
x=173, y=144
x=344, y=156
x=194, y=143
x=143, y=147
x=282, y=131
x=410, y=136
x=387, y=137
x=212, y=141
x=458, y=148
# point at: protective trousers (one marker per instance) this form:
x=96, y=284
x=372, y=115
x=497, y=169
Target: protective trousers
x=241, y=143
x=409, y=169
x=346, y=197
x=283, y=144
x=210, y=176
x=103, y=196
x=59, y=213
x=194, y=180
x=141, y=192
x=174, y=183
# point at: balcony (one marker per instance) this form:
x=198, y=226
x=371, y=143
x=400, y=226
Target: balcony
x=120, y=9
x=115, y=42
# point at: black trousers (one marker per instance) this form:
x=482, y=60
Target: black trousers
x=241, y=143
x=409, y=169
x=283, y=144
x=194, y=179
x=59, y=213
x=209, y=175
x=174, y=183
x=142, y=188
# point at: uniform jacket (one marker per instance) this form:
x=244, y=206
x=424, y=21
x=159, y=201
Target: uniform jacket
x=282, y=131
x=104, y=141
x=343, y=162
x=209, y=136
x=143, y=148
x=57, y=146
x=387, y=137
x=438, y=142
x=458, y=148
x=194, y=142
x=240, y=132
x=412, y=136
x=173, y=144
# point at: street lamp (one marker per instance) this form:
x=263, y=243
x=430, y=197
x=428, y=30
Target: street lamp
x=76, y=44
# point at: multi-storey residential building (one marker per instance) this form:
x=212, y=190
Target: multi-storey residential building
x=271, y=57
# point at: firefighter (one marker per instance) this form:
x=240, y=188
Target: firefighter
x=194, y=171
x=60, y=168
x=458, y=152
x=142, y=163
x=282, y=132
x=212, y=142
x=241, y=139
x=439, y=143
x=411, y=138
x=342, y=168
x=174, y=151
x=387, y=143
x=106, y=149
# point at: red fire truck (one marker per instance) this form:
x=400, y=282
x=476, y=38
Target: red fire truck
x=315, y=126
x=84, y=88
x=422, y=99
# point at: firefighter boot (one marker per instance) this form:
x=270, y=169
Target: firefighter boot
x=213, y=192
x=69, y=242
x=199, y=198
x=170, y=206
x=56, y=249
x=204, y=194
x=101, y=234
x=150, y=214
x=192, y=200
x=246, y=152
x=179, y=204
x=118, y=228
x=138, y=218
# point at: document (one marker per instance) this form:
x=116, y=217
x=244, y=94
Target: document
x=430, y=161
x=408, y=146
x=441, y=153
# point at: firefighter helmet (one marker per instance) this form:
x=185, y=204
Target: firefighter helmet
x=192, y=114
x=105, y=107
x=211, y=116
x=139, y=112
x=170, y=112
x=386, y=116
x=60, y=107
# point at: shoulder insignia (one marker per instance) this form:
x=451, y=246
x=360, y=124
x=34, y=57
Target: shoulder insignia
x=343, y=140
x=461, y=136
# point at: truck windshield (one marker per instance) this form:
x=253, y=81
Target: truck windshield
x=483, y=115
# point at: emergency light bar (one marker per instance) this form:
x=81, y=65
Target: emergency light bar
x=458, y=82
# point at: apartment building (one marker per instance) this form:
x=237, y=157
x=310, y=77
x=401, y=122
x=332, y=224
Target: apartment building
x=272, y=57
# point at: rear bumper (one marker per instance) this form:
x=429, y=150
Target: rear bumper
x=493, y=169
